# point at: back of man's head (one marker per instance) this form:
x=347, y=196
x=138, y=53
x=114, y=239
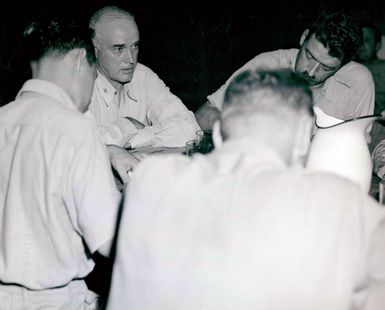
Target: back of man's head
x=339, y=32
x=56, y=37
x=376, y=31
x=371, y=43
x=269, y=106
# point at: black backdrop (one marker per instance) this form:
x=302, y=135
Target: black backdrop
x=192, y=45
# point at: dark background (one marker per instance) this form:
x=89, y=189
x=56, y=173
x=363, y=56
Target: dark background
x=193, y=46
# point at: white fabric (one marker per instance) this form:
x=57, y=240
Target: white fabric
x=347, y=94
x=147, y=99
x=57, y=192
x=74, y=296
x=238, y=230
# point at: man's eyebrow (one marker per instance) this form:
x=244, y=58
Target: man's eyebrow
x=326, y=66
x=118, y=45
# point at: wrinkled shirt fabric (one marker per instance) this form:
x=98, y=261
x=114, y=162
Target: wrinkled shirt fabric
x=58, y=201
x=147, y=99
x=237, y=229
x=347, y=94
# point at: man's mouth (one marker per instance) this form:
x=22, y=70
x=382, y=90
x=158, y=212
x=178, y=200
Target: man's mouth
x=308, y=79
x=127, y=70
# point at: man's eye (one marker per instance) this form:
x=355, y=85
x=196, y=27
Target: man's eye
x=328, y=69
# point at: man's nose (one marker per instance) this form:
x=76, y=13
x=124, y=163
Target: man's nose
x=313, y=68
x=128, y=57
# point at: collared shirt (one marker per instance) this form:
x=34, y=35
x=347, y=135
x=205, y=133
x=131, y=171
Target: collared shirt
x=347, y=94
x=147, y=99
x=58, y=201
x=237, y=229
x=377, y=68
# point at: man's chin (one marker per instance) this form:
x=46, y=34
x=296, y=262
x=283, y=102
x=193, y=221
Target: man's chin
x=125, y=79
x=311, y=82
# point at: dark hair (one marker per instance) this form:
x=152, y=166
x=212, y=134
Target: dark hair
x=56, y=37
x=377, y=31
x=288, y=86
x=339, y=32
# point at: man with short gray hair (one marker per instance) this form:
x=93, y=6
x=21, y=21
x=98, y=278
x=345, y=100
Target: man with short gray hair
x=246, y=226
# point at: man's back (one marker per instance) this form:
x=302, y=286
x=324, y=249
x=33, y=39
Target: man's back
x=52, y=160
x=247, y=234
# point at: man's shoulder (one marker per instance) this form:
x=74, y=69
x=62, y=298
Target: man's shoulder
x=144, y=76
x=280, y=53
x=143, y=70
x=354, y=74
x=282, y=58
x=339, y=188
x=74, y=125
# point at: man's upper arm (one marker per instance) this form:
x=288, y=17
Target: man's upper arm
x=95, y=196
x=273, y=59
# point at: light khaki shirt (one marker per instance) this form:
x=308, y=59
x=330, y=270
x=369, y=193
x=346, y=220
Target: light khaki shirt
x=147, y=99
x=58, y=201
x=347, y=94
x=237, y=229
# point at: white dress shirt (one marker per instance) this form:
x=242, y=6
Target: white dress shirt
x=237, y=229
x=58, y=201
x=147, y=99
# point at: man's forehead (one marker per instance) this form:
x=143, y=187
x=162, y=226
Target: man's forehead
x=121, y=23
x=118, y=31
x=320, y=52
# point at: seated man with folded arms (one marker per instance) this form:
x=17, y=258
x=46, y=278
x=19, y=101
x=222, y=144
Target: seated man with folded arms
x=247, y=227
x=341, y=88
x=58, y=201
x=131, y=104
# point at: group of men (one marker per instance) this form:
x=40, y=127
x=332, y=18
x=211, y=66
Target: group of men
x=241, y=227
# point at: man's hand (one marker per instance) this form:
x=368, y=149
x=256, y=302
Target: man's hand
x=137, y=124
x=122, y=161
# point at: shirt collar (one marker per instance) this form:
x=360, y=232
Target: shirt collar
x=254, y=152
x=108, y=91
x=293, y=58
x=50, y=89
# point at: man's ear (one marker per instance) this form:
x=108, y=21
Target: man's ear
x=217, y=136
x=302, y=140
x=77, y=56
x=80, y=58
x=303, y=37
